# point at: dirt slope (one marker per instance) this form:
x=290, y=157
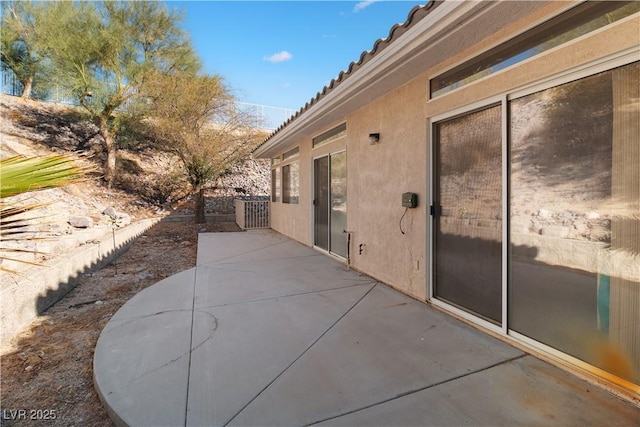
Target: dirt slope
x=46, y=371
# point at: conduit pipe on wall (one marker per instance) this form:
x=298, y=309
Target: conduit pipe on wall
x=349, y=233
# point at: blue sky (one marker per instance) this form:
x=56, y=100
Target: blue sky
x=281, y=53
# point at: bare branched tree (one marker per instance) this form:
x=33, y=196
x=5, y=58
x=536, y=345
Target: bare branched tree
x=196, y=118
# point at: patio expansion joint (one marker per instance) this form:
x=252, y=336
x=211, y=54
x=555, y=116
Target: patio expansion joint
x=193, y=306
x=297, y=294
x=305, y=351
x=262, y=248
x=417, y=390
x=225, y=261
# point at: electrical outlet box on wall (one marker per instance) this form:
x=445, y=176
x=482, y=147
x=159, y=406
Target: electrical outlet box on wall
x=409, y=200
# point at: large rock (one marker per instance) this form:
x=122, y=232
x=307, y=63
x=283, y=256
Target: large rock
x=110, y=212
x=555, y=231
x=119, y=218
x=80, y=221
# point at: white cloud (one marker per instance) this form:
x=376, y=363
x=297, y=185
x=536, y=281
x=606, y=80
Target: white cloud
x=286, y=85
x=363, y=5
x=279, y=57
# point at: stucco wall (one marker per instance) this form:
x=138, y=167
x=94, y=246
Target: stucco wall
x=377, y=177
x=379, y=174
x=294, y=220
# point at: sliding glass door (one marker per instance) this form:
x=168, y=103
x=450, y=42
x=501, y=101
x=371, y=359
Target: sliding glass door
x=571, y=265
x=330, y=203
x=575, y=219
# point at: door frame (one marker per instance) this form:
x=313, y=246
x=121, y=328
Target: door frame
x=431, y=146
x=327, y=251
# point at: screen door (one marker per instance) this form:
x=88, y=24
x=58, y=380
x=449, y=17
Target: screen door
x=468, y=212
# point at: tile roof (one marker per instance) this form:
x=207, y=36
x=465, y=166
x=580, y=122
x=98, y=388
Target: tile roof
x=416, y=14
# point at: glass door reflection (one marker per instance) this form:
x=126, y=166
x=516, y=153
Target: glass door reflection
x=330, y=203
x=468, y=226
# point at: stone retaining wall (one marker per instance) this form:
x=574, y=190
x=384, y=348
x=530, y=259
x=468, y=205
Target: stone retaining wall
x=250, y=180
x=26, y=296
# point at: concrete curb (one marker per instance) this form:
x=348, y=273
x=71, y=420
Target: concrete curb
x=209, y=217
x=24, y=298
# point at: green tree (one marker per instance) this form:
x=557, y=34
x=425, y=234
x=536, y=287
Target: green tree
x=22, y=48
x=196, y=117
x=104, y=52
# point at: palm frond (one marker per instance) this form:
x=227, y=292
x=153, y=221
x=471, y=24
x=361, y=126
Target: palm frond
x=20, y=174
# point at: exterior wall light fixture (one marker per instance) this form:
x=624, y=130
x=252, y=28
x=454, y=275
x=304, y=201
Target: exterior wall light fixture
x=374, y=138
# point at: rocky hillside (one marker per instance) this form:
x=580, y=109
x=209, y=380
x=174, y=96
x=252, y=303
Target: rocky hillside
x=149, y=183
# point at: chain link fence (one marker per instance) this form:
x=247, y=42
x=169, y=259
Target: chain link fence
x=264, y=116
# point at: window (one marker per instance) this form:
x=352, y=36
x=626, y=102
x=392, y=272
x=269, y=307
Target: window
x=580, y=20
x=291, y=183
x=331, y=135
x=291, y=153
x=275, y=185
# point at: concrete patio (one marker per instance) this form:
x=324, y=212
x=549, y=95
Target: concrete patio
x=266, y=331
